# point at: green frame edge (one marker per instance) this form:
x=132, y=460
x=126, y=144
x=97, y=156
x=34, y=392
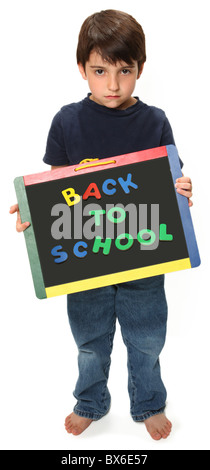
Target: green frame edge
x=30, y=239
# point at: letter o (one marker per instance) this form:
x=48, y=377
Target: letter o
x=116, y=219
x=128, y=244
x=146, y=242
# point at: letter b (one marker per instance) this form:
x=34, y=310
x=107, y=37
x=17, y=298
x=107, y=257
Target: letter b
x=70, y=194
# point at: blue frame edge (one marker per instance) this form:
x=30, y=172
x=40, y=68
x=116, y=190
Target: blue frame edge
x=184, y=210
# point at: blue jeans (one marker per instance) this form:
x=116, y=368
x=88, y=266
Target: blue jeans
x=141, y=309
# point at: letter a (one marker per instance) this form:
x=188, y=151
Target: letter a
x=92, y=190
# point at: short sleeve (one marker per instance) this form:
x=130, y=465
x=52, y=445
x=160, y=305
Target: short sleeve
x=55, y=154
x=167, y=137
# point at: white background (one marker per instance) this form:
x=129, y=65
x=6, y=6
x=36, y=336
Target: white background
x=38, y=355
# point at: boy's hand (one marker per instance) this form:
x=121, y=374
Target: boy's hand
x=184, y=187
x=19, y=226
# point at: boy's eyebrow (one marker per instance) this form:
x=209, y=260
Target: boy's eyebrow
x=103, y=67
x=128, y=66
x=97, y=67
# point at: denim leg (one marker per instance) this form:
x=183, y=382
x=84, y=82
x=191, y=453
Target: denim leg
x=92, y=320
x=141, y=309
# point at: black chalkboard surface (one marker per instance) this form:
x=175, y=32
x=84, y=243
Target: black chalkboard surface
x=106, y=221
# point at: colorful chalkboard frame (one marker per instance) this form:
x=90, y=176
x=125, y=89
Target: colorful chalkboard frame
x=23, y=186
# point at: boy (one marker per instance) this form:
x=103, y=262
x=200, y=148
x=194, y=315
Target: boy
x=110, y=122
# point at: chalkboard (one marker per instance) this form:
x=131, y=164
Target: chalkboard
x=106, y=221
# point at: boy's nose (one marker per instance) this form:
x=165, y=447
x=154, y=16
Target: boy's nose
x=113, y=84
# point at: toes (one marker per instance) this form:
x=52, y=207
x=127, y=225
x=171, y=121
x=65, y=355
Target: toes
x=156, y=435
x=76, y=425
x=166, y=431
x=76, y=431
x=68, y=424
x=68, y=428
x=158, y=427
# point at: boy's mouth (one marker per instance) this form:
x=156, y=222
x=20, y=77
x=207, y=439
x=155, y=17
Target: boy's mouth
x=112, y=96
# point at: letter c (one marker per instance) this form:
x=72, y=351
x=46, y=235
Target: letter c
x=106, y=190
x=80, y=254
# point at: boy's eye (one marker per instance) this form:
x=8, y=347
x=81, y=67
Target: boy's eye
x=99, y=72
x=125, y=71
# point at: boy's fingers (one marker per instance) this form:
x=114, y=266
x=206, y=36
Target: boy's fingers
x=184, y=183
x=186, y=186
x=184, y=179
x=19, y=226
x=184, y=192
x=14, y=209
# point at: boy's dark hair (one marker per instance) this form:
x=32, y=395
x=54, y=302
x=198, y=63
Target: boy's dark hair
x=116, y=35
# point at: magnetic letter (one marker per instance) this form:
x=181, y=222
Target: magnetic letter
x=92, y=190
x=106, y=245
x=106, y=190
x=116, y=219
x=164, y=236
x=97, y=214
x=80, y=254
x=68, y=194
x=127, y=183
x=128, y=244
x=146, y=242
x=62, y=255
x=90, y=228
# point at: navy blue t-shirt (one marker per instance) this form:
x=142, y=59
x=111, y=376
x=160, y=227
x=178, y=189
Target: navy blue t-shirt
x=89, y=130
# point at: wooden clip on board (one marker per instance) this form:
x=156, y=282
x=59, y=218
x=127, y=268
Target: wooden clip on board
x=106, y=221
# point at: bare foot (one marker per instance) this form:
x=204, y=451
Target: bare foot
x=158, y=426
x=75, y=424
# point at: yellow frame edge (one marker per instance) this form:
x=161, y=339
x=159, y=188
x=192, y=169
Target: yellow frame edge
x=115, y=278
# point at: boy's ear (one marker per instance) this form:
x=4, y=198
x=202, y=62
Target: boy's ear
x=140, y=71
x=82, y=71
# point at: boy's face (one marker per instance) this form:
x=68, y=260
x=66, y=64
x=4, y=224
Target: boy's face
x=111, y=85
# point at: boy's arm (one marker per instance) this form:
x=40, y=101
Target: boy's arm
x=184, y=187
x=20, y=227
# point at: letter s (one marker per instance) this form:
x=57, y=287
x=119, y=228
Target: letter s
x=62, y=255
